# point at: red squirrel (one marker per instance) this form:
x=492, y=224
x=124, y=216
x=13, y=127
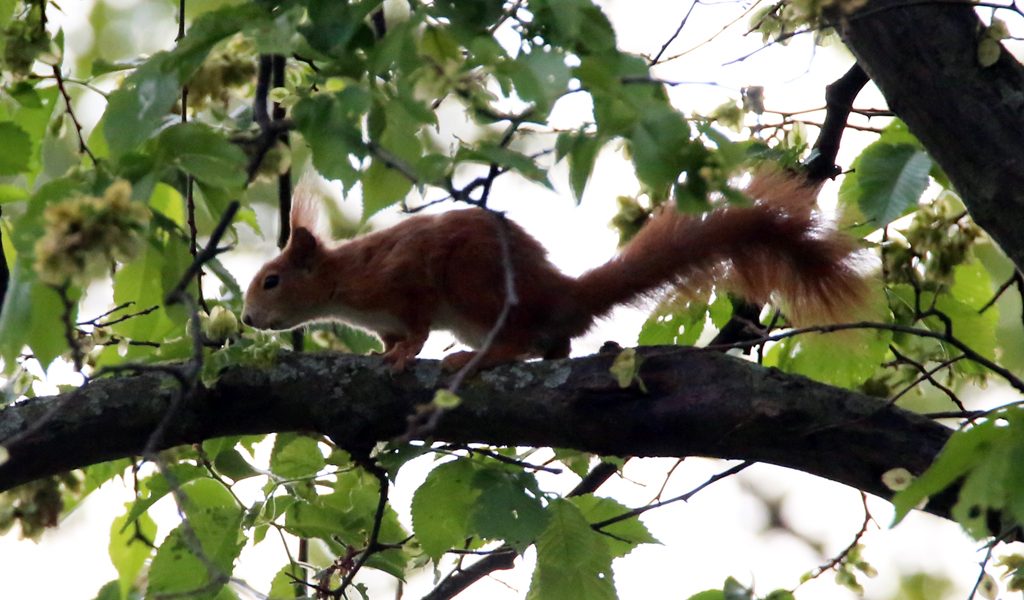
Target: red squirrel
x=447, y=272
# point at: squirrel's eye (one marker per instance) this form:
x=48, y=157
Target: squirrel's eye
x=271, y=281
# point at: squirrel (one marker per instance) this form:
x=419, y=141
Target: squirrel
x=448, y=272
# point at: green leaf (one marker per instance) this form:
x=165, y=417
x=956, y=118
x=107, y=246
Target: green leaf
x=200, y=151
x=581, y=150
x=964, y=450
x=215, y=519
x=708, y=595
x=658, y=142
x=156, y=487
x=230, y=463
x=282, y=587
x=889, y=179
x=470, y=17
x=675, y=323
x=504, y=510
x=382, y=187
x=127, y=552
x=296, y=456
x=142, y=282
x=136, y=110
x=540, y=77
x=623, y=536
x=31, y=317
x=845, y=359
x=12, y=193
x=573, y=561
x=575, y=24
x=441, y=507
x=100, y=473
x=971, y=289
x=17, y=147
x=110, y=591
x=330, y=124
x=333, y=28
x=490, y=153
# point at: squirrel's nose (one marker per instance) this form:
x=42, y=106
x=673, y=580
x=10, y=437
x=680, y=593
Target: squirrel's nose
x=247, y=319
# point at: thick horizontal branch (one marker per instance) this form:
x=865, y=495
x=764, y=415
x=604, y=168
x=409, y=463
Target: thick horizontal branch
x=698, y=403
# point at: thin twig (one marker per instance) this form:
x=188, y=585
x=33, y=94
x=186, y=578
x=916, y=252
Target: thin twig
x=684, y=497
x=1016, y=382
x=82, y=146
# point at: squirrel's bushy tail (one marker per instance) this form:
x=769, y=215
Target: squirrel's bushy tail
x=776, y=248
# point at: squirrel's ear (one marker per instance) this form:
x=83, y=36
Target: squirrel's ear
x=302, y=247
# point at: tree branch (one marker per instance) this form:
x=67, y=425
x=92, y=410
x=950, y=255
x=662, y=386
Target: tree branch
x=698, y=403
x=966, y=115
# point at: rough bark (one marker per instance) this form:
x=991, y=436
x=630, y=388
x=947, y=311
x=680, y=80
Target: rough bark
x=923, y=57
x=698, y=403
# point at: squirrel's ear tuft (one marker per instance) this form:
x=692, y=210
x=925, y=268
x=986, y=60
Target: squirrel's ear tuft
x=303, y=247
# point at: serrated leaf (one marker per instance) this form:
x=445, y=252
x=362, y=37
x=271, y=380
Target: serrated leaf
x=623, y=536
x=890, y=179
x=128, y=552
x=282, y=587
x=215, y=518
x=296, y=456
x=382, y=187
x=964, y=450
x=441, y=507
x=504, y=510
x=573, y=561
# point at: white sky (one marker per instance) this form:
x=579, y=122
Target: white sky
x=714, y=536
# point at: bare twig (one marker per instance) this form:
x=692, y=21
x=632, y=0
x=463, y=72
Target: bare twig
x=82, y=146
x=685, y=497
x=838, y=559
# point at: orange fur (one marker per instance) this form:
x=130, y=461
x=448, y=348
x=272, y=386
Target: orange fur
x=446, y=272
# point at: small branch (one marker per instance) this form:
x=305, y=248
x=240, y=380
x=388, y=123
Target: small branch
x=838, y=559
x=685, y=497
x=927, y=375
x=207, y=254
x=373, y=543
x=661, y=52
x=82, y=147
x=508, y=460
x=839, y=97
x=970, y=354
x=1016, y=278
x=95, y=321
x=70, y=331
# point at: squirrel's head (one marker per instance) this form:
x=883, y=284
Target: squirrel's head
x=291, y=289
